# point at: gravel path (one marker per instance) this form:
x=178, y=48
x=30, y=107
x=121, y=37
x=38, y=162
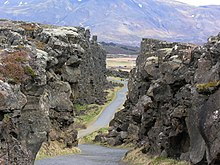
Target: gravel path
x=108, y=114
x=90, y=155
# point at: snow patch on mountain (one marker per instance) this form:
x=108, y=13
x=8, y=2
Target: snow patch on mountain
x=20, y=3
x=122, y=21
x=6, y=2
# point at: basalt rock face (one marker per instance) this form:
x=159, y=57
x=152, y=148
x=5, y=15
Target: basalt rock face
x=173, y=102
x=93, y=75
x=54, y=67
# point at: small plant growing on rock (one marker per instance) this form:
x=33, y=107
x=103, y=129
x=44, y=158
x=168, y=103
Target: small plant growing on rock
x=6, y=118
x=13, y=67
x=29, y=71
x=207, y=86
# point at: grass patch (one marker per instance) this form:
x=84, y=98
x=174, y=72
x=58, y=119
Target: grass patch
x=91, y=111
x=12, y=66
x=55, y=148
x=166, y=161
x=136, y=157
x=79, y=107
x=207, y=86
x=29, y=71
x=121, y=63
x=90, y=138
x=115, y=79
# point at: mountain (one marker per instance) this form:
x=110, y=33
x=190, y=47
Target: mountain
x=122, y=21
x=115, y=48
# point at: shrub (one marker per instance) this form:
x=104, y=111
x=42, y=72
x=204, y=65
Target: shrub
x=12, y=66
x=17, y=56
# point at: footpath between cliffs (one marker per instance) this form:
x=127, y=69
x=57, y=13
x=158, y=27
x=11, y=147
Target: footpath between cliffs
x=108, y=113
x=93, y=154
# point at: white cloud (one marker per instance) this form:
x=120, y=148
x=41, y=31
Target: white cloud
x=201, y=2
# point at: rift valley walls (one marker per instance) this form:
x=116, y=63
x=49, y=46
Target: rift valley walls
x=173, y=102
x=172, y=108
x=44, y=70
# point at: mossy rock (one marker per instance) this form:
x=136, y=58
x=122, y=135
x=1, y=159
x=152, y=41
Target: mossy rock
x=29, y=71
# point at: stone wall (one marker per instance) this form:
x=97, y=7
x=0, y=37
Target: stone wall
x=61, y=67
x=173, y=102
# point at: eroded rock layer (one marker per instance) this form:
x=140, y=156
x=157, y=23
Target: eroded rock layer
x=44, y=70
x=173, y=102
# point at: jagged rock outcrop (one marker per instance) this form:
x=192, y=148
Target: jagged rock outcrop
x=52, y=68
x=173, y=102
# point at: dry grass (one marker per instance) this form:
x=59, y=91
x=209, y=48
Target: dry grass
x=55, y=148
x=38, y=44
x=136, y=157
x=122, y=63
x=89, y=139
x=12, y=66
x=207, y=86
x=29, y=27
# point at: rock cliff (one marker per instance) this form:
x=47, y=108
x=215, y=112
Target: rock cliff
x=173, y=102
x=44, y=70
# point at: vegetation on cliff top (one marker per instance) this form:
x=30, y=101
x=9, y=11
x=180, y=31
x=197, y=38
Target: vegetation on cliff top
x=14, y=66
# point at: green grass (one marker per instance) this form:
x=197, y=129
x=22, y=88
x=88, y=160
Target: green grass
x=79, y=107
x=91, y=111
x=90, y=138
x=29, y=71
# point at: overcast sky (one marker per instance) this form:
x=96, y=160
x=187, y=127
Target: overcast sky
x=201, y=2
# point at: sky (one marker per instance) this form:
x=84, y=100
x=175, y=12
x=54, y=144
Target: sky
x=201, y=2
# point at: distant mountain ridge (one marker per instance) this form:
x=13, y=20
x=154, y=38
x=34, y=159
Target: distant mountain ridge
x=122, y=21
x=115, y=48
